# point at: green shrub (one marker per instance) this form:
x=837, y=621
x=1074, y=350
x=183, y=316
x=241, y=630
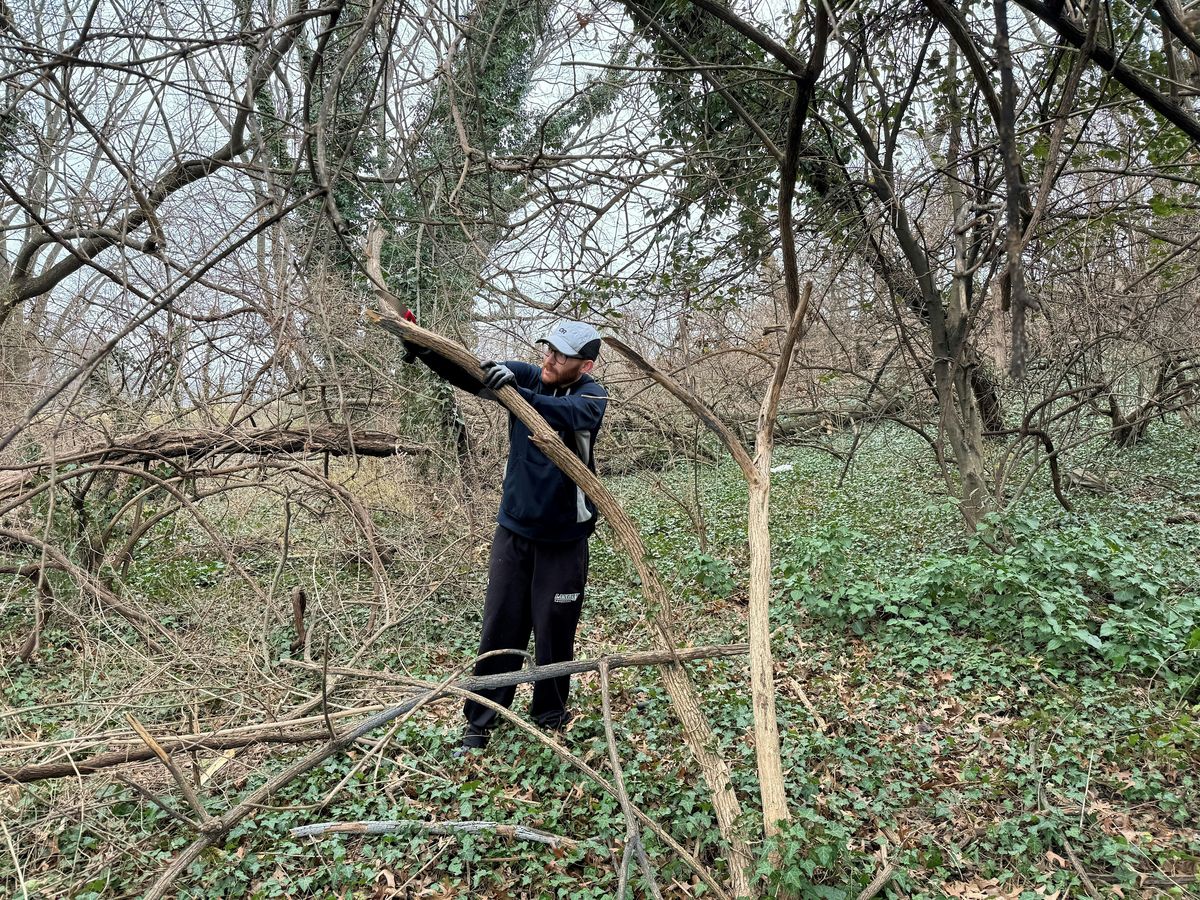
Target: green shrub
x=814, y=858
x=1074, y=592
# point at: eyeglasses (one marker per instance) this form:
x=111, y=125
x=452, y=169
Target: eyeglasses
x=558, y=356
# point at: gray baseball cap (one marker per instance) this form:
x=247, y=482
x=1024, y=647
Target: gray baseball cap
x=573, y=338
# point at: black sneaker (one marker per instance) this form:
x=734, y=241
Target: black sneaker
x=557, y=722
x=473, y=739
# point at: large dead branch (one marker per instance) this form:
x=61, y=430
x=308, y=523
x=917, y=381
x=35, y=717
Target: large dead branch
x=195, y=444
x=215, y=829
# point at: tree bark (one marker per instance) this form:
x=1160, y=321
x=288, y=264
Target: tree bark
x=956, y=362
x=762, y=664
x=961, y=425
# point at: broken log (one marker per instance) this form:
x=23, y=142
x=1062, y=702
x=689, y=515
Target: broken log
x=197, y=443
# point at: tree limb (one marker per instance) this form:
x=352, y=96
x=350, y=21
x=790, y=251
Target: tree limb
x=1105, y=58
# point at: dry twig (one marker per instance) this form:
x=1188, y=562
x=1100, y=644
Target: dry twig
x=516, y=832
x=633, y=839
x=185, y=786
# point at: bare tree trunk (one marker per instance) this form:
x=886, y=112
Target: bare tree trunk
x=757, y=472
x=961, y=425
x=956, y=363
x=762, y=663
x=14, y=353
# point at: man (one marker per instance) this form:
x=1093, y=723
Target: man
x=539, y=556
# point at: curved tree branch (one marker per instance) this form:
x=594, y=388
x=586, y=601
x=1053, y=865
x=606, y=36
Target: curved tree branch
x=26, y=285
x=1105, y=58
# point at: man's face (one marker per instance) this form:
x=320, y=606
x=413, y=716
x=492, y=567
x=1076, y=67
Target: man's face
x=559, y=370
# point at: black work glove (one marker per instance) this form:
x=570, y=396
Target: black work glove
x=497, y=375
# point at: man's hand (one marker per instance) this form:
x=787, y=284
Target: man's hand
x=497, y=375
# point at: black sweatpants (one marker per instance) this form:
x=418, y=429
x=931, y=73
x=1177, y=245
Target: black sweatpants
x=533, y=586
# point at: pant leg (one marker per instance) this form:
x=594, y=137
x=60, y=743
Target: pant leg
x=559, y=577
x=506, y=620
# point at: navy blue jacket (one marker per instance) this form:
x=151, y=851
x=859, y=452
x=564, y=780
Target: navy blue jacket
x=540, y=502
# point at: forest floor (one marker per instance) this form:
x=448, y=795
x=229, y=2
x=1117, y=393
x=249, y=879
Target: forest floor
x=1012, y=715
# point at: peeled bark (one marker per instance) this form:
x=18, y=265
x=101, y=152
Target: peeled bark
x=762, y=665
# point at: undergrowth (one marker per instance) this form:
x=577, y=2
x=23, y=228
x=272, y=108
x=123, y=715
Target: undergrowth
x=990, y=714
